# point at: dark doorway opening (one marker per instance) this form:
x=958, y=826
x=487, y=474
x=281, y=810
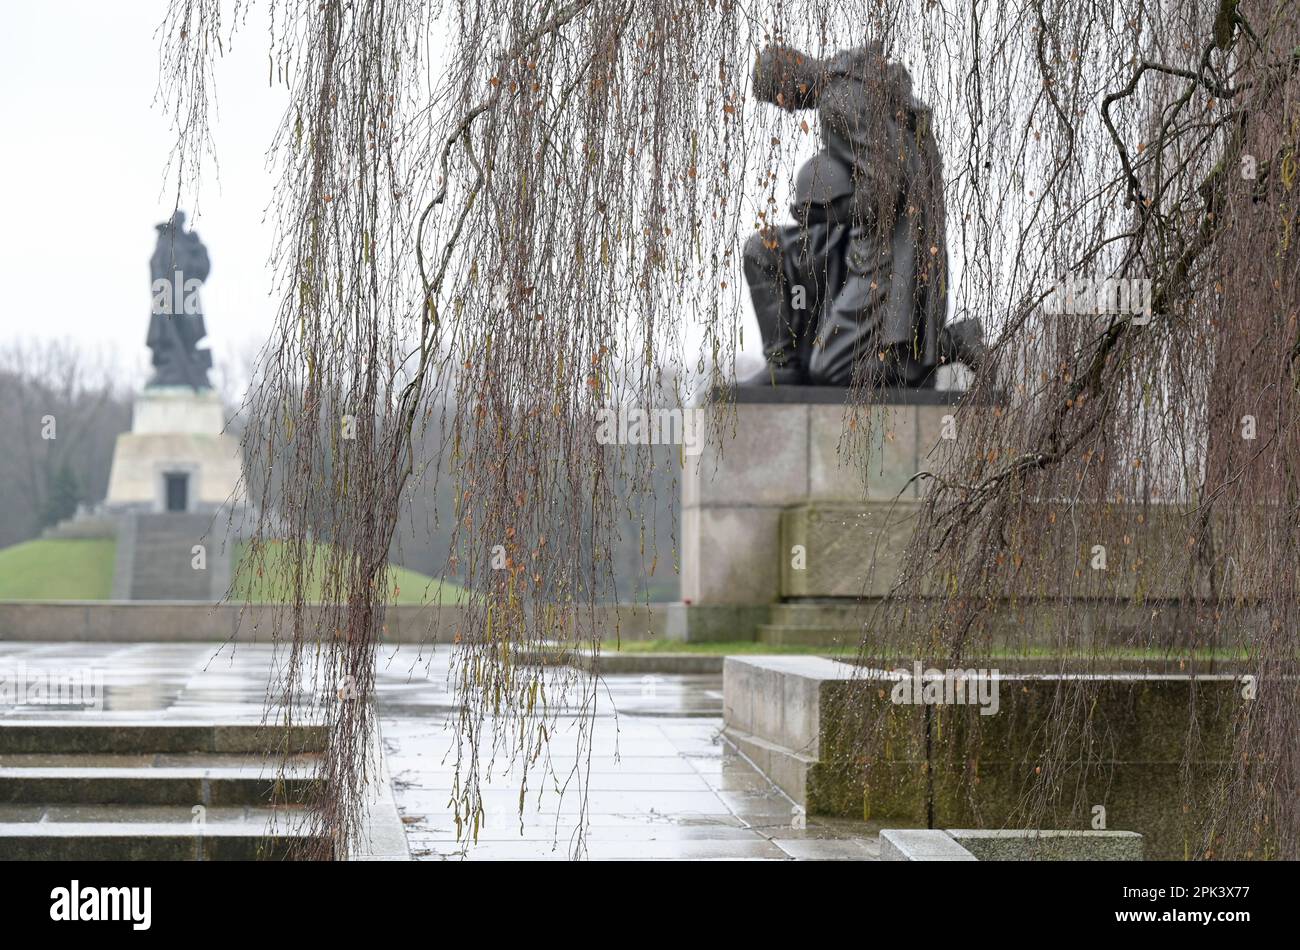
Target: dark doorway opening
x=178, y=491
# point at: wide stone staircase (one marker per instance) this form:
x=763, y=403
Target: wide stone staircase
x=156, y=558
x=150, y=790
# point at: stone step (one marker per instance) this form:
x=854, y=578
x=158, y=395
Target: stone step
x=99, y=785
x=173, y=520
x=173, y=534
x=177, y=547
x=177, y=539
x=778, y=634
x=108, y=737
x=848, y=616
x=160, y=558
x=125, y=789
x=180, y=541
x=148, y=833
x=171, y=591
x=243, y=761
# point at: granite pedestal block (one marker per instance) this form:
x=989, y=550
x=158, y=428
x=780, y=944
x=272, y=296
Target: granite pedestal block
x=177, y=432
x=791, y=448
x=781, y=454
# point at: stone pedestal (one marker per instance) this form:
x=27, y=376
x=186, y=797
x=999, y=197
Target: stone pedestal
x=174, y=491
x=791, y=448
x=177, y=432
x=799, y=720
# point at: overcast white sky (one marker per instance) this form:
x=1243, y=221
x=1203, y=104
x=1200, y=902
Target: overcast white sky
x=82, y=170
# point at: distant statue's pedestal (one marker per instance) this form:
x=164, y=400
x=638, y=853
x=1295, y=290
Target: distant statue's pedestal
x=175, y=492
x=176, y=457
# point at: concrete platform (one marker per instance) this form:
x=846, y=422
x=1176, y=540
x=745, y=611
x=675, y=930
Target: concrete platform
x=799, y=719
x=923, y=844
x=660, y=781
x=772, y=708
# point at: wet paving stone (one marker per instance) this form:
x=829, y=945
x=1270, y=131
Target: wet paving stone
x=654, y=781
x=661, y=784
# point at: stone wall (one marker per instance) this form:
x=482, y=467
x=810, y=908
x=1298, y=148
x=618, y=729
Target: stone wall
x=786, y=518
x=802, y=721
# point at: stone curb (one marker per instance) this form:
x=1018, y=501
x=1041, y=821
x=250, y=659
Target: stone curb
x=384, y=838
x=668, y=664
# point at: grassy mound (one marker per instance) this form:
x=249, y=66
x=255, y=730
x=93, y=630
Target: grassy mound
x=405, y=586
x=57, y=569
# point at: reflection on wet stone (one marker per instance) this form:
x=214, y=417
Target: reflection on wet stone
x=662, y=782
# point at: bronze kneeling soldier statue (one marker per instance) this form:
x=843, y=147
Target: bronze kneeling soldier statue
x=856, y=290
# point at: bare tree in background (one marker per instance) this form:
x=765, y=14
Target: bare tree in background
x=55, y=388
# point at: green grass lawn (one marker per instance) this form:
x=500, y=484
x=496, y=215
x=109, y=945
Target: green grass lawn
x=55, y=569
x=405, y=586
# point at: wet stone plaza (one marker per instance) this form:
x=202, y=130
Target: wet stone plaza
x=660, y=780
